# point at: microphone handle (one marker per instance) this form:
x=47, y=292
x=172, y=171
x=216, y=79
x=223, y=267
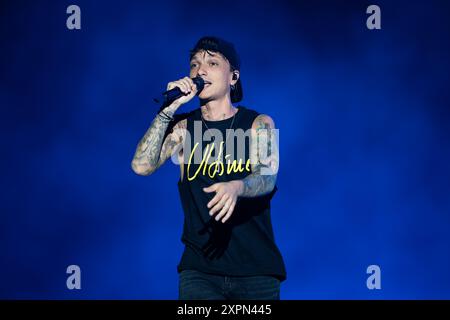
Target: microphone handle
x=172, y=95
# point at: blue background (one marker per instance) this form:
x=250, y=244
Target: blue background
x=364, y=154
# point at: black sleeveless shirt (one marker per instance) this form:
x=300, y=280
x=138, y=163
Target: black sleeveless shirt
x=244, y=245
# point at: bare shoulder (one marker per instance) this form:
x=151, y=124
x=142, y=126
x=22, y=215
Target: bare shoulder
x=174, y=140
x=263, y=149
x=179, y=130
x=263, y=121
x=182, y=124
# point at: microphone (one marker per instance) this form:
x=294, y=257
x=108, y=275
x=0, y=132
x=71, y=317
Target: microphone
x=173, y=94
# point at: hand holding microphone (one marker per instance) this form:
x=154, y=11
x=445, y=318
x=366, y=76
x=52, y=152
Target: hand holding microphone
x=181, y=91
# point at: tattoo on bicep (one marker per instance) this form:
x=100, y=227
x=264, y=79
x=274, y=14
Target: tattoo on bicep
x=265, y=162
x=267, y=149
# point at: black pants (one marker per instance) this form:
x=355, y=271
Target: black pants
x=196, y=285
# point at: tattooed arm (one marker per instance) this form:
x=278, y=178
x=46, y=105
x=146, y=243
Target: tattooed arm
x=152, y=151
x=264, y=163
x=264, y=159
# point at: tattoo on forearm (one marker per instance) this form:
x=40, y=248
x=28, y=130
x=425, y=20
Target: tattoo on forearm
x=258, y=185
x=152, y=148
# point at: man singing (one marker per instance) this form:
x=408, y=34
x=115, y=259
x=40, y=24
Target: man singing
x=227, y=181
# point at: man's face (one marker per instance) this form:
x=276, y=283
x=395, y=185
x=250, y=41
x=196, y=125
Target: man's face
x=215, y=70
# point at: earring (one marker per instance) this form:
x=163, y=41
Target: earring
x=232, y=87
